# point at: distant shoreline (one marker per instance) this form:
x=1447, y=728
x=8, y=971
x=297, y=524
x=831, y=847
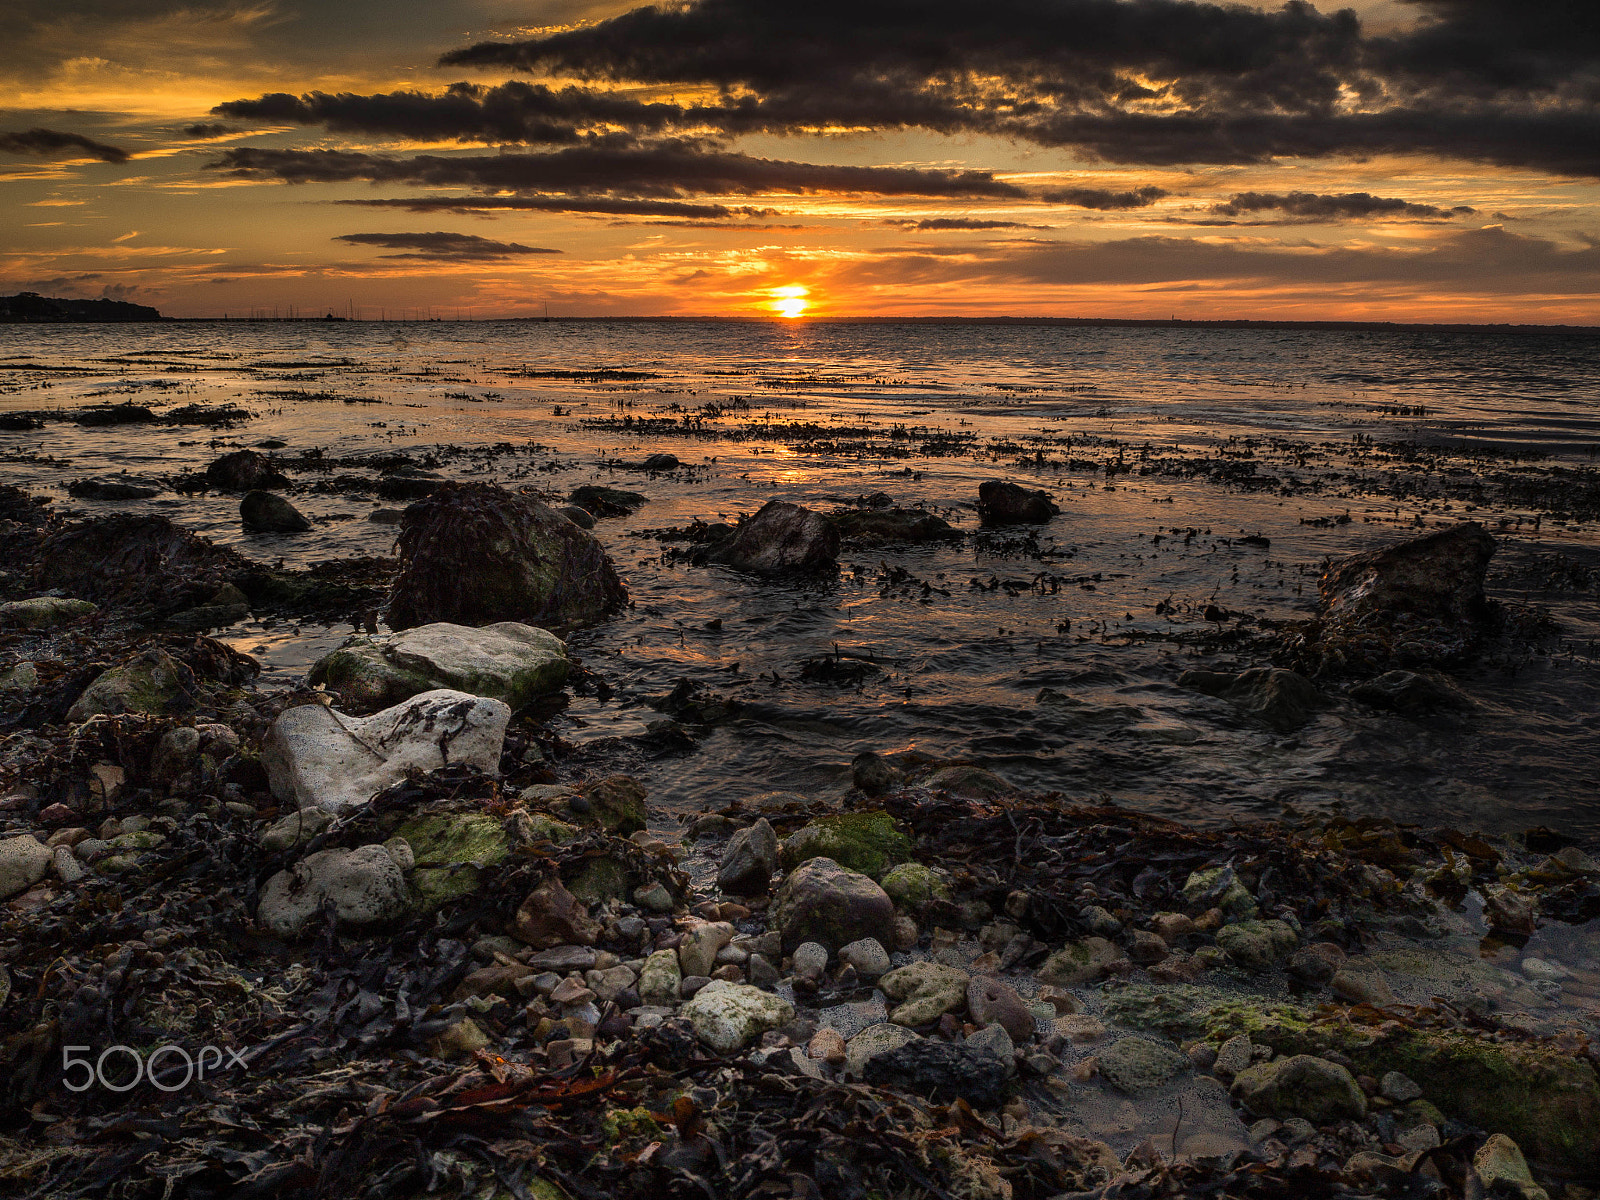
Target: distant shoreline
x=1067, y=322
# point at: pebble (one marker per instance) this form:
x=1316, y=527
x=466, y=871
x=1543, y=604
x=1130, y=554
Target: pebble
x=868, y=957
x=828, y=1045
x=810, y=960
x=1233, y=1056
x=1402, y=1089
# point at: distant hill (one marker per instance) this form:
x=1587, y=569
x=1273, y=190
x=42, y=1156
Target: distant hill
x=30, y=306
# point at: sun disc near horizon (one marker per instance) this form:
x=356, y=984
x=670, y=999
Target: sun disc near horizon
x=791, y=301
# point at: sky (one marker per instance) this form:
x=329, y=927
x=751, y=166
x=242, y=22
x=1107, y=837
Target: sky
x=1404, y=160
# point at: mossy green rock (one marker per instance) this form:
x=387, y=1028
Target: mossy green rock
x=1256, y=945
x=1234, y=900
x=1301, y=1085
x=449, y=849
x=40, y=612
x=506, y=661
x=868, y=842
x=615, y=803
x=153, y=688
x=600, y=879
x=1136, y=1064
x=913, y=886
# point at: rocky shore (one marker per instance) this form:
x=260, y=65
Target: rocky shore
x=437, y=950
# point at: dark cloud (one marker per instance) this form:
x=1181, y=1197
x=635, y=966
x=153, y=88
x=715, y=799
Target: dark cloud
x=1347, y=206
x=207, y=130
x=443, y=247
x=1102, y=199
x=665, y=170
x=943, y=223
x=600, y=205
x=49, y=141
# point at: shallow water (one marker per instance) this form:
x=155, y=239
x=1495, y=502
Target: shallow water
x=1138, y=433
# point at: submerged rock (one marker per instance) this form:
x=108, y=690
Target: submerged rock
x=1411, y=693
x=365, y=886
x=823, y=902
x=506, y=661
x=893, y=525
x=314, y=756
x=267, y=513
x=244, y=471
x=1285, y=700
x=473, y=554
x=607, y=501
x=614, y=802
x=114, y=487
x=781, y=538
x=1001, y=503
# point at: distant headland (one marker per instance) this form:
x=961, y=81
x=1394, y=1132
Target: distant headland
x=32, y=307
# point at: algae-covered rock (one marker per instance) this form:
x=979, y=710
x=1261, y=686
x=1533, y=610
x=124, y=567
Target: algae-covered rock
x=41, y=612
x=1080, y=962
x=473, y=553
x=1220, y=888
x=1301, y=1086
x=154, y=685
x=729, y=1016
x=867, y=842
x=924, y=992
x=913, y=886
x=601, y=878
x=823, y=902
x=448, y=850
x=506, y=661
x=1256, y=945
x=1501, y=1168
x=615, y=803
x=967, y=782
x=1136, y=1064
x=661, y=978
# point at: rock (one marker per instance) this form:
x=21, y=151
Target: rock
x=1501, y=1168
x=296, y=829
x=697, y=953
x=23, y=862
x=365, y=885
x=244, y=471
x=661, y=980
x=314, y=756
x=1080, y=962
x=114, y=487
x=601, y=879
x=1361, y=985
x=386, y=516
x=868, y=957
x=1218, y=887
x=607, y=501
x=461, y=1040
x=990, y=1002
x=874, y=774
x=871, y=1042
x=868, y=842
x=729, y=1016
x=1079, y=1028
x=67, y=867
x=134, y=559
x=1146, y=948
x=1099, y=921
x=1001, y=503
x=154, y=684
x=473, y=554
x=761, y=972
x=1257, y=945
x=1172, y=928
x=660, y=462
x=19, y=677
x=1312, y=967
x=1416, y=603
x=1402, y=1089
x=1234, y=1056
x=878, y=526
x=1411, y=693
x=449, y=849
x=906, y=935
x=966, y=782
x=940, y=1071
x=551, y=916
x=924, y=992
x=781, y=538
x=1134, y=1064
x=810, y=960
x=655, y=898
x=266, y=513
x=568, y=958
x=1284, y=700
x=821, y=901
x=749, y=860
x=506, y=661
x=1300, y=1086
x=994, y=1040
x=614, y=802
x=827, y=1045
x=43, y=612
x=1508, y=912
x=913, y=886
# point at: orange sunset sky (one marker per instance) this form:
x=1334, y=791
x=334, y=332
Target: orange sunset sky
x=1414, y=160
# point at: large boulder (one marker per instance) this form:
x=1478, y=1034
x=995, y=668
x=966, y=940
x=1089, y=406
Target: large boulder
x=315, y=756
x=822, y=902
x=1416, y=603
x=135, y=559
x=505, y=661
x=1001, y=503
x=366, y=886
x=779, y=539
x=244, y=471
x=868, y=842
x=473, y=554
x=265, y=513
x=1305, y=1086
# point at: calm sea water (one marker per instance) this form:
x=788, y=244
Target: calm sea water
x=1396, y=431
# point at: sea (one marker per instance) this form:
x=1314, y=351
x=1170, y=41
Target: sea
x=1050, y=656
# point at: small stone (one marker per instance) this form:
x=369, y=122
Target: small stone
x=827, y=1045
x=1402, y=1089
x=552, y=916
x=1233, y=1056
x=1135, y=1065
x=991, y=1002
x=1300, y=1086
x=23, y=862
x=296, y=829
x=761, y=972
x=1079, y=1028
x=697, y=952
x=654, y=898
x=871, y=1042
x=67, y=867
x=1081, y=962
x=1296, y=1130
x=925, y=992
x=56, y=814
x=1100, y=922
x=729, y=1016
x=1257, y=945
x=940, y=1071
x=868, y=957
x=1146, y=948
x=570, y=991
x=906, y=934
x=995, y=1041
x=691, y=984
x=1172, y=927
x=1063, y=1002
x=749, y=860
x=810, y=960
x=821, y=901
x=1416, y=1138
x=1361, y=986
x=1263, y=1129
x=1502, y=1168
x=661, y=979
x=728, y=973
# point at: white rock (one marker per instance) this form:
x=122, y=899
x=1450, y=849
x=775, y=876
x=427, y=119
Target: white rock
x=506, y=661
x=729, y=1016
x=868, y=957
x=365, y=885
x=295, y=830
x=23, y=862
x=68, y=868
x=316, y=757
x=1543, y=970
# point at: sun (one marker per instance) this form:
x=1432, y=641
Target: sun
x=790, y=301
